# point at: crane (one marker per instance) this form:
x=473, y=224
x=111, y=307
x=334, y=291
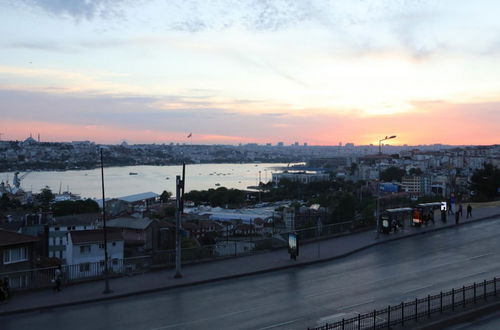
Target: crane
x=17, y=179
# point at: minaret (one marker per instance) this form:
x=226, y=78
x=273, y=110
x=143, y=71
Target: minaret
x=38, y=137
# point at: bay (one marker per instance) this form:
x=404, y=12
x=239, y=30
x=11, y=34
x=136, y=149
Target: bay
x=119, y=182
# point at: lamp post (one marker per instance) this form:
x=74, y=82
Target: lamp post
x=180, y=184
x=106, y=271
x=380, y=143
x=378, y=185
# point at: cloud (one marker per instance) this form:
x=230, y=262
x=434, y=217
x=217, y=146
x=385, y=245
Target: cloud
x=79, y=9
x=436, y=122
x=40, y=45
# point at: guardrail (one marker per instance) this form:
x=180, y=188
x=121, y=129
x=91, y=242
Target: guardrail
x=410, y=312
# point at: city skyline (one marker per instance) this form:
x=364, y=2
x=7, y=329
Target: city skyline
x=234, y=72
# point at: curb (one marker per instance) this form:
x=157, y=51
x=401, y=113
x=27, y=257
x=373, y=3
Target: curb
x=217, y=279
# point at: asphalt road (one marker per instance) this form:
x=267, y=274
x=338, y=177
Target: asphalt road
x=487, y=322
x=297, y=298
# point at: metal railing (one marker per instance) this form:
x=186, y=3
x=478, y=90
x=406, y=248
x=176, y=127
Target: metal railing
x=410, y=312
x=43, y=277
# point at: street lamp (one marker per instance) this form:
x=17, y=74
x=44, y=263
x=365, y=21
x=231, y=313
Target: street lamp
x=380, y=143
x=378, y=185
x=106, y=270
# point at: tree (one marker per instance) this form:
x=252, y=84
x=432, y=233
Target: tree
x=4, y=202
x=415, y=171
x=346, y=208
x=392, y=174
x=165, y=196
x=353, y=168
x=485, y=182
x=75, y=207
x=46, y=197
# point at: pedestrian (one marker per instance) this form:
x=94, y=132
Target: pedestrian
x=3, y=294
x=443, y=216
x=57, y=279
x=460, y=209
x=6, y=286
x=457, y=218
x=469, y=211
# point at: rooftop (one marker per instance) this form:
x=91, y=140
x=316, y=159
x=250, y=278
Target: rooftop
x=129, y=222
x=138, y=197
x=76, y=219
x=12, y=238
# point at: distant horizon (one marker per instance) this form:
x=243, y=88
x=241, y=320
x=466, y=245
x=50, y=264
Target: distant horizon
x=236, y=144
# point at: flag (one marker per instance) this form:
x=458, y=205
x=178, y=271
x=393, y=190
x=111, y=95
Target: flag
x=190, y=134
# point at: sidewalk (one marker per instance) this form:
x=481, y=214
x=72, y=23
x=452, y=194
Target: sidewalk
x=222, y=269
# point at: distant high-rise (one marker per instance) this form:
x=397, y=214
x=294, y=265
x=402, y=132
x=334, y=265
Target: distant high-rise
x=280, y=144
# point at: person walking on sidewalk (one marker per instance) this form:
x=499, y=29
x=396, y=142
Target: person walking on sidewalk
x=457, y=218
x=4, y=291
x=460, y=209
x=57, y=279
x=469, y=211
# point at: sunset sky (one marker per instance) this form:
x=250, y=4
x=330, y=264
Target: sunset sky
x=316, y=71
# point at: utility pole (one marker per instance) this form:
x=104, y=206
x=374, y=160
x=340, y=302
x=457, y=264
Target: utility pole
x=179, y=195
x=106, y=270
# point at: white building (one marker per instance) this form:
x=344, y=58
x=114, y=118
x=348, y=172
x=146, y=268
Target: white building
x=59, y=228
x=301, y=177
x=86, y=249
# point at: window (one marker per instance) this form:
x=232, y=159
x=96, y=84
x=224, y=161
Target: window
x=84, y=267
x=18, y=282
x=101, y=246
x=56, y=228
x=68, y=228
x=115, y=261
x=85, y=249
x=15, y=255
x=114, y=243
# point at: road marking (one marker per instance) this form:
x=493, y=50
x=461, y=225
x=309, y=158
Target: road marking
x=480, y=256
x=204, y=319
x=417, y=289
x=330, y=317
x=355, y=305
x=279, y=324
x=474, y=274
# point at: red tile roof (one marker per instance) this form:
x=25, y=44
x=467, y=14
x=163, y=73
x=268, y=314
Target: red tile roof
x=12, y=238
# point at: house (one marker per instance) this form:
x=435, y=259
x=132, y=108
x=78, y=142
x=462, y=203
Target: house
x=139, y=234
x=17, y=253
x=129, y=204
x=86, y=249
x=244, y=229
x=58, y=229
